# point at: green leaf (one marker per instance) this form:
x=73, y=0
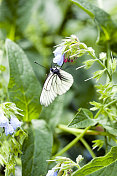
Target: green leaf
x=23, y=87
x=83, y=119
x=106, y=27
x=98, y=163
x=110, y=170
x=111, y=127
x=98, y=74
x=89, y=63
x=96, y=105
x=98, y=143
x=36, y=149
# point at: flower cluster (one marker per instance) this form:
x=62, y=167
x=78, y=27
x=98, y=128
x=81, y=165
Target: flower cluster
x=64, y=166
x=70, y=49
x=52, y=173
x=60, y=56
x=8, y=120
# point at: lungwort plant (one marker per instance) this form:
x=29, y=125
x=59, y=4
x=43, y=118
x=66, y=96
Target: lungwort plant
x=30, y=140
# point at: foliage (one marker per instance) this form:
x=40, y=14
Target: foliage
x=79, y=124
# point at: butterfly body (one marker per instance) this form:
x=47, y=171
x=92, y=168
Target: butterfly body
x=57, y=83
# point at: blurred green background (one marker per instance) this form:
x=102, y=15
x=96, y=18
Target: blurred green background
x=37, y=26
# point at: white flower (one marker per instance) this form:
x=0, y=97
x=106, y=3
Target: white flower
x=52, y=173
x=9, y=129
x=59, y=57
x=3, y=120
x=15, y=122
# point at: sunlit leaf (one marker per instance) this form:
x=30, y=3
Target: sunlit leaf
x=98, y=163
x=23, y=88
x=107, y=29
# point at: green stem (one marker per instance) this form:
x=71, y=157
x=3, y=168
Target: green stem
x=106, y=144
x=100, y=64
x=76, y=131
x=11, y=35
x=97, y=114
x=88, y=147
x=108, y=56
x=108, y=62
x=72, y=143
x=112, y=102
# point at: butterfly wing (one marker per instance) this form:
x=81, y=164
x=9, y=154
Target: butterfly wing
x=48, y=94
x=55, y=84
x=62, y=82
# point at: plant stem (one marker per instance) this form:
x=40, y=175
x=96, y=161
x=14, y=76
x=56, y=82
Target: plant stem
x=97, y=114
x=112, y=102
x=75, y=131
x=67, y=147
x=100, y=64
x=108, y=62
x=106, y=144
x=72, y=143
x=88, y=147
x=12, y=32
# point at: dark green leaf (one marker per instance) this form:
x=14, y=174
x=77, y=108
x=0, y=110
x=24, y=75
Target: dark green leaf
x=36, y=149
x=106, y=26
x=23, y=88
x=98, y=163
x=83, y=119
x=110, y=170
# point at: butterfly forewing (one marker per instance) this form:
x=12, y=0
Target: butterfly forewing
x=56, y=84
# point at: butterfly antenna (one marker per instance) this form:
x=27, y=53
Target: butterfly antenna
x=39, y=64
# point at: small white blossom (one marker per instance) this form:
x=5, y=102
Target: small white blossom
x=59, y=57
x=15, y=122
x=52, y=173
x=9, y=129
x=3, y=120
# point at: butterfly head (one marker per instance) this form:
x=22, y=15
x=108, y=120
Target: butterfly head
x=55, y=70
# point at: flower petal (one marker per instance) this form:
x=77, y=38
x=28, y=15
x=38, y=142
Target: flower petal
x=59, y=59
x=57, y=51
x=9, y=129
x=3, y=120
x=52, y=173
x=15, y=122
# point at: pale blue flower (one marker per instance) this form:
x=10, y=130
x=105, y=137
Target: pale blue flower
x=3, y=120
x=15, y=122
x=9, y=129
x=59, y=57
x=52, y=173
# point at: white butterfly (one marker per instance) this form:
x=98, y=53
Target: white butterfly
x=57, y=83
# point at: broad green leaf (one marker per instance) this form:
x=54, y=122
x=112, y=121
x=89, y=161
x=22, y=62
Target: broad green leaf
x=83, y=119
x=98, y=163
x=111, y=127
x=36, y=149
x=106, y=26
x=110, y=170
x=23, y=87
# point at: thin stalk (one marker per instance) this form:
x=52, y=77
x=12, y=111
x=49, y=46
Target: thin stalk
x=88, y=147
x=108, y=62
x=112, y=102
x=72, y=143
x=106, y=144
x=97, y=114
x=75, y=131
x=100, y=64
x=12, y=32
